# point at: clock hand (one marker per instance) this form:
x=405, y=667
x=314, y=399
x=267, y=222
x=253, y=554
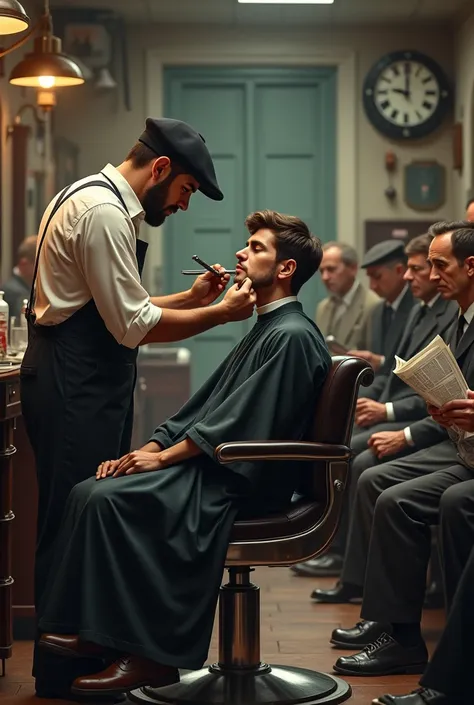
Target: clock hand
x=400, y=90
x=407, y=79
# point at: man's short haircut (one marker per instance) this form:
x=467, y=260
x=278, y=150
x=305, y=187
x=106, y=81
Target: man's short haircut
x=419, y=245
x=349, y=255
x=462, y=237
x=140, y=155
x=293, y=240
x=27, y=249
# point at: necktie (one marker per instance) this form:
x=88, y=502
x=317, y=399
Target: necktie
x=460, y=329
x=420, y=315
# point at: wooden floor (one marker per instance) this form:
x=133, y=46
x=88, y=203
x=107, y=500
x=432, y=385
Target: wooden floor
x=294, y=631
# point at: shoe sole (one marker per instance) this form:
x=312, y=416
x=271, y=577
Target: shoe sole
x=349, y=647
x=97, y=692
x=351, y=601
x=409, y=670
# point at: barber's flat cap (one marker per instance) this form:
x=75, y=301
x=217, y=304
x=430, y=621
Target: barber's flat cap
x=179, y=141
x=384, y=252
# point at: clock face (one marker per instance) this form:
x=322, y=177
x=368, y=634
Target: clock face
x=406, y=95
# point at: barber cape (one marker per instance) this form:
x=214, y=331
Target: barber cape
x=140, y=558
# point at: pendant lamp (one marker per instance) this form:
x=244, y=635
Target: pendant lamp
x=13, y=17
x=46, y=66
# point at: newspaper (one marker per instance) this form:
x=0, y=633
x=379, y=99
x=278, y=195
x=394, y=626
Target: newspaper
x=433, y=373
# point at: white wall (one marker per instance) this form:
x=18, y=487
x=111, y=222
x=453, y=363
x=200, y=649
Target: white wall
x=104, y=130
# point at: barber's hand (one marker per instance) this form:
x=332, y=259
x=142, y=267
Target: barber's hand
x=385, y=443
x=459, y=412
x=130, y=464
x=207, y=287
x=372, y=358
x=369, y=412
x=239, y=301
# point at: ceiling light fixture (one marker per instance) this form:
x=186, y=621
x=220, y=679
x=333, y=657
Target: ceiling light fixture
x=46, y=66
x=288, y=2
x=13, y=17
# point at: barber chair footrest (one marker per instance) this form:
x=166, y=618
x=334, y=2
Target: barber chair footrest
x=281, y=685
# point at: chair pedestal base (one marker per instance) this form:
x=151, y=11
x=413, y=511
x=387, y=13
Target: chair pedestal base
x=275, y=685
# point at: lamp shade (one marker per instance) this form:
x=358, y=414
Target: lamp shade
x=46, y=66
x=13, y=17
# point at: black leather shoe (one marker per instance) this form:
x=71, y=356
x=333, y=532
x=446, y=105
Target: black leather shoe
x=421, y=696
x=384, y=657
x=363, y=634
x=338, y=595
x=327, y=566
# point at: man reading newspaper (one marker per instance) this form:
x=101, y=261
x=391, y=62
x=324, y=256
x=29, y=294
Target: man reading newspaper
x=397, y=502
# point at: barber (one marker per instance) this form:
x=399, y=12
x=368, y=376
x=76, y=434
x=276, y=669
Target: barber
x=88, y=314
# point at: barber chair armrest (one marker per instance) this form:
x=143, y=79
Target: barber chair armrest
x=281, y=450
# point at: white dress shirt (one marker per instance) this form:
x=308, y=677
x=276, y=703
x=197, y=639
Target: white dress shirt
x=273, y=305
x=89, y=253
x=344, y=302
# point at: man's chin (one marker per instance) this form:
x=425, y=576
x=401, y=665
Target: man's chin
x=155, y=221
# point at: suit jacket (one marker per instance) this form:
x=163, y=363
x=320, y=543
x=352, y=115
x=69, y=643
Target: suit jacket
x=352, y=327
x=438, y=320
x=388, y=344
x=427, y=432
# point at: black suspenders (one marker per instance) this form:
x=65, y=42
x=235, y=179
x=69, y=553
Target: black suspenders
x=62, y=198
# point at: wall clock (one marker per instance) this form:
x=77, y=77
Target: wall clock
x=406, y=95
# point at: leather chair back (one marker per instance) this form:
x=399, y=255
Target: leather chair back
x=334, y=417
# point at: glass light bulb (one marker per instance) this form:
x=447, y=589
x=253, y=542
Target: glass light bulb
x=46, y=81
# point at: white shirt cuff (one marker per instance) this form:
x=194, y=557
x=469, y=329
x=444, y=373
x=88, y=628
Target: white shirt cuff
x=408, y=436
x=147, y=319
x=382, y=361
x=390, y=411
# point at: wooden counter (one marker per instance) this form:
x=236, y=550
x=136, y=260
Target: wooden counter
x=10, y=410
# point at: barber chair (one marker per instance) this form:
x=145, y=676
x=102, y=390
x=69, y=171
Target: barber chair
x=304, y=531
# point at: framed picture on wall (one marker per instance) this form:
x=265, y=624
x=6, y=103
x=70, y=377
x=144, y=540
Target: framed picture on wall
x=425, y=185
x=66, y=158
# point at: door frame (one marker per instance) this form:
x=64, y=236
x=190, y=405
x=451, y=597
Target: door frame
x=347, y=104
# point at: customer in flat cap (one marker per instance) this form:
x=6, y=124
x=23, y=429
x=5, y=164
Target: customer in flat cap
x=88, y=314
x=386, y=264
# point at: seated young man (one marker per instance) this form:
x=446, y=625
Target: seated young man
x=142, y=548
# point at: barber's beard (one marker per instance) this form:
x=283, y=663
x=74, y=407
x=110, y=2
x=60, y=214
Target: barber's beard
x=154, y=204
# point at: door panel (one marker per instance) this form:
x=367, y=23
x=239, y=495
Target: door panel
x=271, y=133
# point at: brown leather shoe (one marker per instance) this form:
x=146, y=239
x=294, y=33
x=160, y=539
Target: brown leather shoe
x=125, y=674
x=70, y=645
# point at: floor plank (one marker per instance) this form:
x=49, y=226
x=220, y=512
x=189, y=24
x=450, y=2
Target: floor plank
x=294, y=632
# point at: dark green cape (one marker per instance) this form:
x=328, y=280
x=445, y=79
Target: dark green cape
x=139, y=559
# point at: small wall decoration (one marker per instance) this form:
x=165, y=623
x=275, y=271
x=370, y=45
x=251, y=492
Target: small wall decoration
x=458, y=146
x=425, y=185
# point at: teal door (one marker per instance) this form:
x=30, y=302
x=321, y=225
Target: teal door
x=272, y=135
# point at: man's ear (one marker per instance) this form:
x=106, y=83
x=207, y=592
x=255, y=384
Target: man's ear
x=161, y=169
x=469, y=264
x=287, y=268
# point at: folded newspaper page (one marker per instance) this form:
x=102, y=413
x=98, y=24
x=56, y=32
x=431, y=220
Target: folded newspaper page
x=433, y=373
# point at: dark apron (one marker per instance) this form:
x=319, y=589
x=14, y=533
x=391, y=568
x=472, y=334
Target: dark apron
x=77, y=387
